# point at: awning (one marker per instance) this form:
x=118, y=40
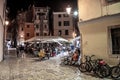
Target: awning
x=47, y=39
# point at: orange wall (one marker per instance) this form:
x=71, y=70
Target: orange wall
x=29, y=30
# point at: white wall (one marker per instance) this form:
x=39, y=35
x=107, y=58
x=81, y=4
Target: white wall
x=96, y=17
x=1, y=29
x=95, y=38
x=89, y=9
x=56, y=19
x=1, y=41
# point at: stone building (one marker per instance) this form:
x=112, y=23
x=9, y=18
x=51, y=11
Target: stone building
x=63, y=25
x=99, y=25
x=41, y=20
x=25, y=26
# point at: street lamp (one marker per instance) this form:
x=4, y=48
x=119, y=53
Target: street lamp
x=6, y=23
x=5, y=28
x=68, y=9
x=74, y=15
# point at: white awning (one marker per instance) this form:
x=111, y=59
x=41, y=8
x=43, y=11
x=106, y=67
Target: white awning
x=47, y=39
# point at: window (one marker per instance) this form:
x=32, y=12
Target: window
x=41, y=10
x=59, y=23
x=37, y=45
x=28, y=26
x=115, y=40
x=59, y=32
x=45, y=10
x=38, y=9
x=66, y=32
x=37, y=26
x=45, y=26
x=22, y=29
x=59, y=15
x=35, y=17
x=37, y=34
x=112, y=1
x=28, y=34
x=45, y=34
x=66, y=23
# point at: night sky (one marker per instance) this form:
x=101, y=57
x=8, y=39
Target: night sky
x=55, y=5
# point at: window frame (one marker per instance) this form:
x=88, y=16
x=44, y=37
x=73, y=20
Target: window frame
x=66, y=24
x=60, y=32
x=65, y=15
x=59, y=15
x=37, y=34
x=59, y=23
x=28, y=26
x=110, y=50
x=22, y=29
x=66, y=32
x=112, y=1
x=28, y=34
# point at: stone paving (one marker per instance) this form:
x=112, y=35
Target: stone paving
x=13, y=68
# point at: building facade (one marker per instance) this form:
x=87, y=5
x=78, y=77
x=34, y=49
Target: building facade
x=99, y=25
x=2, y=20
x=25, y=32
x=63, y=25
x=41, y=20
x=33, y=23
x=25, y=27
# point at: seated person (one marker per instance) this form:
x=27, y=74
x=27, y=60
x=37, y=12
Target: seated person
x=75, y=56
x=42, y=53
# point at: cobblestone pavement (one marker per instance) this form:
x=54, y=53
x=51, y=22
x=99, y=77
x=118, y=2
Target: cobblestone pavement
x=14, y=68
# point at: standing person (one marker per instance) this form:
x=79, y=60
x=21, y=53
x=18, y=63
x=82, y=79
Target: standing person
x=17, y=51
x=47, y=52
x=79, y=53
x=22, y=51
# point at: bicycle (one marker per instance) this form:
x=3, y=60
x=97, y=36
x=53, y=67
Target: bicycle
x=98, y=66
x=85, y=66
x=115, y=70
x=101, y=68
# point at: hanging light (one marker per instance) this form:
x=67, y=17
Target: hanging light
x=68, y=9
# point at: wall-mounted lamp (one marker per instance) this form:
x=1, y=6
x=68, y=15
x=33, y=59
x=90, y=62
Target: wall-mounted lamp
x=6, y=23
